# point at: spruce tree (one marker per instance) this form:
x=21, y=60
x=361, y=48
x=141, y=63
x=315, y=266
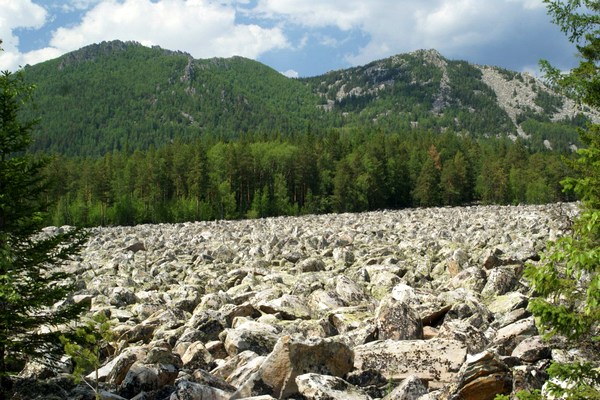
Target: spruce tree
x=568, y=280
x=33, y=286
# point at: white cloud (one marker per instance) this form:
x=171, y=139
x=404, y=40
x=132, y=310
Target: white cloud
x=315, y=13
x=204, y=28
x=474, y=30
x=37, y=56
x=76, y=5
x=454, y=27
x=13, y=15
x=290, y=73
x=529, y=4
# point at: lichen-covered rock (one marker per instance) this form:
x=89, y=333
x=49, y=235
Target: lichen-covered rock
x=504, y=304
x=208, y=379
x=529, y=377
x=532, y=349
x=203, y=294
x=187, y=390
x=482, y=377
x=115, y=371
x=473, y=278
x=319, y=387
x=196, y=356
x=465, y=332
x=290, y=358
x=144, y=377
x=436, y=361
x=508, y=337
x=347, y=319
x=240, y=368
x=321, y=301
x=311, y=264
x=250, y=335
x=397, y=320
x=350, y=292
x=288, y=306
x=500, y=281
x=411, y=388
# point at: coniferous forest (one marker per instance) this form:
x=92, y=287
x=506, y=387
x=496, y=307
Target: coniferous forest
x=271, y=176
x=145, y=135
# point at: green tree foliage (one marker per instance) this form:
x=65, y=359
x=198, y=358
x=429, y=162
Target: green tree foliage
x=125, y=97
x=427, y=191
x=31, y=280
x=86, y=348
x=454, y=180
x=568, y=280
x=262, y=177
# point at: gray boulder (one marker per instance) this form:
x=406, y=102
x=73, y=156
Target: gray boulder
x=482, y=377
x=411, y=388
x=144, y=377
x=250, y=335
x=291, y=358
x=319, y=387
x=187, y=390
x=397, y=320
x=436, y=361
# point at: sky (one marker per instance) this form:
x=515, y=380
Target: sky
x=298, y=38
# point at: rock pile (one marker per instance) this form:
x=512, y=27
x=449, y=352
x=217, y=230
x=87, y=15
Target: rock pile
x=413, y=304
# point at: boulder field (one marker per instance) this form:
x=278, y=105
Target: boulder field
x=410, y=304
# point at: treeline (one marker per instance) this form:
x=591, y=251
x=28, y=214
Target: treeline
x=334, y=171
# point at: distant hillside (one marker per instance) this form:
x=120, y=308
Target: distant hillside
x=116, y=95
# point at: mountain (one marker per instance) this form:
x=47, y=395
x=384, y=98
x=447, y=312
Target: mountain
x=424, y=89
x=122, y=95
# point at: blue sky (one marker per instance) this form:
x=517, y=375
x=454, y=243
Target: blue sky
x=295, y=37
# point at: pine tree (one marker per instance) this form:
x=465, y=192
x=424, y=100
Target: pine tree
x=31, y=280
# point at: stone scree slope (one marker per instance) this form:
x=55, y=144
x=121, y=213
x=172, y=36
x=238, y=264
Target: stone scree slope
x=411, y=304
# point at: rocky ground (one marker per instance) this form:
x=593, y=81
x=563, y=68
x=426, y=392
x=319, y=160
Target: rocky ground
x=412, y=304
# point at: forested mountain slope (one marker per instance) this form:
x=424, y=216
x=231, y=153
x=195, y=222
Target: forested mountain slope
x=124, y=96
x=116, y=95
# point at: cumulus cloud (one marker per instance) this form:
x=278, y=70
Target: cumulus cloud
x=14, y=15
x=457, y=28
x=204, y=28
x=75, y=5
x=345, y=14
x=290, y=73
x=484, y=31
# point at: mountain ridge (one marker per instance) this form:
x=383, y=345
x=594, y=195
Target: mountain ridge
x=117, y=95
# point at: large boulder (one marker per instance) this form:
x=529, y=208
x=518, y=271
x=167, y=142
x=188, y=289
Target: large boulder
x=532, y=349
x=508, y=337
x=187, y=390
x=196, y=356
x=482, y=377
x=250, y=335
x=290, y=358
x=436, y=361
x=318, y=387
x=239, y=368
x=144, y=377
x=411, y=388
x=465, y=332
x=397, y=320
x=287, y=306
